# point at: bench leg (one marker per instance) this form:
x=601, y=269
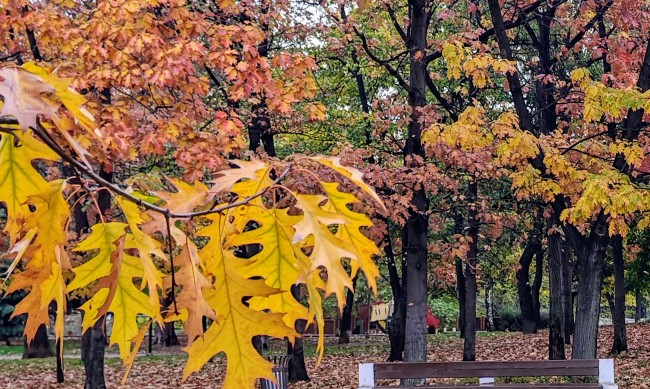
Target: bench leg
x=366, y=376
x=487, y=381
x=606, y=373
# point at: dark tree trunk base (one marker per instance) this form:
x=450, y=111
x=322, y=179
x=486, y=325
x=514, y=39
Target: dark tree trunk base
x=40, y=347
x=93, y=343
x=297, y=368
x=617, y=302
x=346, y=317
x=170, y=335
x=524, y=289
x=556, y=311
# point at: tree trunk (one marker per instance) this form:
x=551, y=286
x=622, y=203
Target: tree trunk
x=567, y=290
x=461, y=292
x=489, y=310
x=462, y=296
x=590, y=279
x=297, y=368
x=416, y=228
x=397, y=329
x=346, y=317
x=618, y=312
x=415, y=341
x=60, y=377
x=556, y=311
x=537, y=285
x=469, y=346
x=40, y=346
x=169, y=334
x=524, y=290
x=93, y=342
x=397, y=325
x=638, y=310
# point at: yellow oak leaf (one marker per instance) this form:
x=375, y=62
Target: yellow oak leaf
x=327, y=249
x=185, y=200
x=18, y=178
x=73, y=101
x=146, y=246
x=116, y=293
x=46, y=283
x=128, y=362
x=350, y=173
x=19, y=249
x=102, y=239
x=246, y=180
x=23, y=96
x=280, y=263
x=191, y=298
x=350, y=232
x=49, y=218
x=236, y=323
x=44, y=271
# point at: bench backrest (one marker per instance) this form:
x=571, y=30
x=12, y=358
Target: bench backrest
x=487, y=370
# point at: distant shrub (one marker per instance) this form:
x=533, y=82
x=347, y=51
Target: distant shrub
x=446, y=309
x=509, y=318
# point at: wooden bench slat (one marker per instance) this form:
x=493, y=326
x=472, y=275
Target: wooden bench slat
x=412, y=372
x=486, y=369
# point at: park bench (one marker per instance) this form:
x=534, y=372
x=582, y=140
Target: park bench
x=487, y=371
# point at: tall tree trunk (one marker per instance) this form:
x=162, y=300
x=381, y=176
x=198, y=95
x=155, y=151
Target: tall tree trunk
x=618, y=314
x=297, y=367
x=590, y=279
x=469, y=345
x=397, y=325
x=556, y=311
x=461, y=292
x=524, y=290
x=397, y=328
x=567, y=290
x=40, y=346
x=462, y=296
x=489, y=306
x=416, y=228
x=92, y=355
x=346, y=317
x=537, y=285
x=638, y=310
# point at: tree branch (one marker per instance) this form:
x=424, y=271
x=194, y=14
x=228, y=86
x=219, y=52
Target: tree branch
x=44, y=136
x=444, y=102
x=578, y=37
x=392, y=71
x=398, y=27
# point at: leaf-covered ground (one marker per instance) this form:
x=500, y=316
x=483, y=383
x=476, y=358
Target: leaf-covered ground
x=337, y=370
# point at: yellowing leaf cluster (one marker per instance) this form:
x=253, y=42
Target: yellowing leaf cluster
x=601, y=99
x=462, y=60
x=234, y=253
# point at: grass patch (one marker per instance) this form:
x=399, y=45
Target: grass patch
x=11, y=350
